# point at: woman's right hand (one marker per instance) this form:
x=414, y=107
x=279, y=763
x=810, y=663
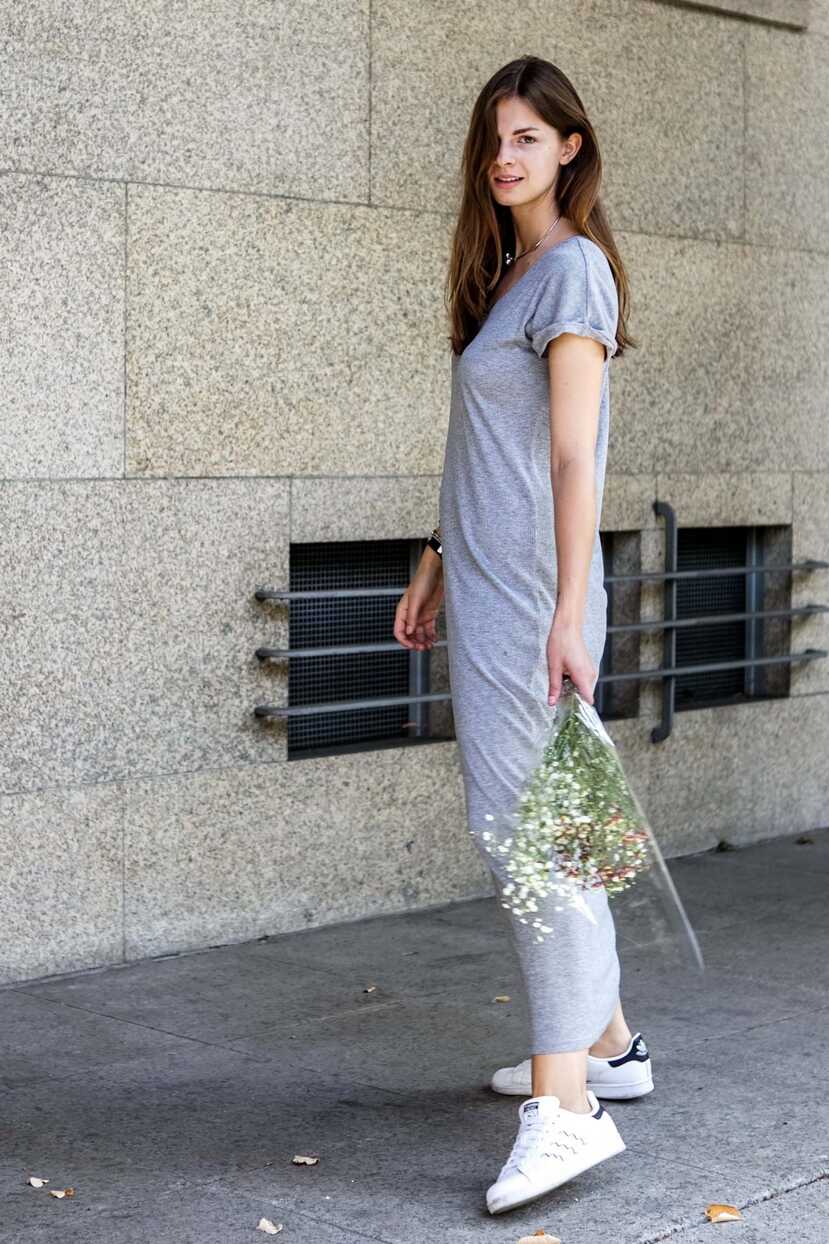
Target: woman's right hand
x=417, y=609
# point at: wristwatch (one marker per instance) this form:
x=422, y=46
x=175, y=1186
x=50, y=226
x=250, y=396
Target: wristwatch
x=435, y=541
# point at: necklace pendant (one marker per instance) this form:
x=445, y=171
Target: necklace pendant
x=508, y=259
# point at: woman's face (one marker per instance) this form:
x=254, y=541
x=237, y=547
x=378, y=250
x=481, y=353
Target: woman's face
x=529, y=154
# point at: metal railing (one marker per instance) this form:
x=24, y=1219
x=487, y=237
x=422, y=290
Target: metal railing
x=668, y=671
x=669, y=624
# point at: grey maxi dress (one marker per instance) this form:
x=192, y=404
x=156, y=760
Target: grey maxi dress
x=499, y=566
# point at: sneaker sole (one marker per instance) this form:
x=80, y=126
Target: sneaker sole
x=622, y=1092
x=532, y=1196
x=610, y=1092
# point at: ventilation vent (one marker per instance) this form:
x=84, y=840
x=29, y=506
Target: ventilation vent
x=727, y=617
x=710, y=548
x=364, y=619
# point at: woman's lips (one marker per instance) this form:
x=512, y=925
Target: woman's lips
x=511, y=182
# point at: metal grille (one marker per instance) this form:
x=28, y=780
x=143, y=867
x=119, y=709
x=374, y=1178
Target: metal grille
x=711, y=577
x=316, y=680
x=706, y=548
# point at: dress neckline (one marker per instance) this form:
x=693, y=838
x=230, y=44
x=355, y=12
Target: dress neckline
x=572, y=238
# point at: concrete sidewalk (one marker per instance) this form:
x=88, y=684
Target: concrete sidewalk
x=172, y=1094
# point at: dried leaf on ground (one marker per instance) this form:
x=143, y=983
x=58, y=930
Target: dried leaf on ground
x=539, y=1237
x=305, y=1159
x=501, y=997
x=265, y=1224
x=61, y=1192
x=722, y=1213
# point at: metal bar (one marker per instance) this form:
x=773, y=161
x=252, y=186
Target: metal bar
x=334, y=593
x=659, y=575
x=809, y=654
x=337, y=650
x=268, y=710
x=710, y=619
x=331, y=650
x=342, y=706
x=278, y=594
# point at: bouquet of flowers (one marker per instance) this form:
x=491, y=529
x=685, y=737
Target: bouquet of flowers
x=578, y=827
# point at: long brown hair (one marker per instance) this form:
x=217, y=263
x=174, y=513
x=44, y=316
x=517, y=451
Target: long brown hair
x=484, y=229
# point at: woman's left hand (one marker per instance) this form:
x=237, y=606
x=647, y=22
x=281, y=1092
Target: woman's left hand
x=567, y=654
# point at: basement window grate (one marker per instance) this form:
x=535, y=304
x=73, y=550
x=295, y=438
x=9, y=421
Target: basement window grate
x=709, y=548
x=355, y=620
x=727, y=621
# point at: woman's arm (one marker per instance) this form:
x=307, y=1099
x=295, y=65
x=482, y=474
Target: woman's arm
x=417, y=610
x=576, y=367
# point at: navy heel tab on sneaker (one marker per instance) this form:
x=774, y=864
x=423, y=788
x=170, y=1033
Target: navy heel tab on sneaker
x=598, y=1112
x=636, y=1053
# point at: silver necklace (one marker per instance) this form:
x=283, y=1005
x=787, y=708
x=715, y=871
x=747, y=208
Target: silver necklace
x=509, y=259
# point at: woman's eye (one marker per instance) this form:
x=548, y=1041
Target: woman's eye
x=529, y=138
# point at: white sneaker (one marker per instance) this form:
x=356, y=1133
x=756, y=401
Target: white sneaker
x=551, y=1147
x=625, y=1075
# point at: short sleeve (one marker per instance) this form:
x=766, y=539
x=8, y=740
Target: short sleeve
x=577, y=295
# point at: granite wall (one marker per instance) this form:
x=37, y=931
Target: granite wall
x=223, y=235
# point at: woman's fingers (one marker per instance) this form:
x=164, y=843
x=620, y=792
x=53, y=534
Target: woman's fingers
x=430, y=633
x=414, y=622
x=567, y=654
x=554, y=688
x=407, y=630
x=403, y=621
x=584, y=681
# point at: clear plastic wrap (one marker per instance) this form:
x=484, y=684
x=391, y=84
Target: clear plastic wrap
x=578, y=829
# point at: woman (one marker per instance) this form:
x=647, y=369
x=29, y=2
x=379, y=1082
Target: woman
x=517, y=560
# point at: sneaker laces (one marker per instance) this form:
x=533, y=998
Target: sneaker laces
x=548, y=1137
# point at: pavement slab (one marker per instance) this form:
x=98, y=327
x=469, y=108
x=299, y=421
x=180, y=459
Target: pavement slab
x=172, y=1093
